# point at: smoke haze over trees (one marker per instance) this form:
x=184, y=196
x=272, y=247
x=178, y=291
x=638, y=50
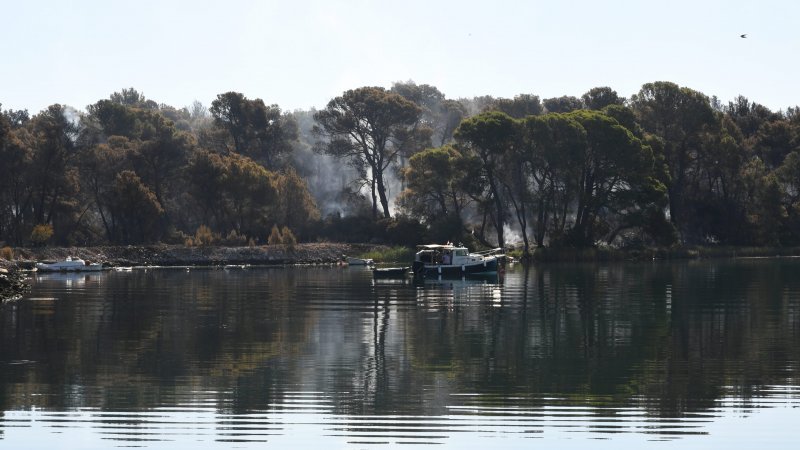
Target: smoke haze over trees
x=406, y=165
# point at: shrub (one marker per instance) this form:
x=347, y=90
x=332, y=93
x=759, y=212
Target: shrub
x=204, y=236
x=397, y=254
x=7, y=253
x=402, y=231
x=234, y=238
x=275, y=237
x=41, y=234
x=445, y=228
x=288, y=238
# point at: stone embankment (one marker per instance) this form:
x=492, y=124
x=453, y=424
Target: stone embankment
x=12, y=284
x=12, y=274
x=174, y=255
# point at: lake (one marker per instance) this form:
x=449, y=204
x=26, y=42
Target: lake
x=692, y=354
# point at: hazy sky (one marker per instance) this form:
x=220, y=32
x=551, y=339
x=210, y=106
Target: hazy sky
x=299, y=54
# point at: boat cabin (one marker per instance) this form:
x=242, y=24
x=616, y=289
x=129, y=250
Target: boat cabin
x=448, y=255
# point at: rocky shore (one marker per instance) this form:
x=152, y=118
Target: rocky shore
x=12, y=272
x=12, y=284
x=174, y=255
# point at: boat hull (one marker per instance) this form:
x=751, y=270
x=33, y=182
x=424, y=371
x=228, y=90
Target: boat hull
x=487, y=266
x=359, y=261
x=69, y=266
x=45, y=268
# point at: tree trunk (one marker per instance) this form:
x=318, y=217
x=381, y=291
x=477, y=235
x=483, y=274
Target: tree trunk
x=498, y=206
x=541, y=223
x=382, y=194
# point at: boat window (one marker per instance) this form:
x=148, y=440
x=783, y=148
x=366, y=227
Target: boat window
x=461, y=252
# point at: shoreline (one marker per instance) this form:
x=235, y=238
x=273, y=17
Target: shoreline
x=13, y=272
x=179, y=255
x=331, y=253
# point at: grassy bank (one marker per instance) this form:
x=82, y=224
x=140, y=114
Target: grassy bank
x=390, y=255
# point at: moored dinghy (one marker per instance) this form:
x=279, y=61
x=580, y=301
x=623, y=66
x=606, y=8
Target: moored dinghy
x=359, y=261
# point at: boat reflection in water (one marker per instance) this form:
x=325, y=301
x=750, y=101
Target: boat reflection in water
x=70, y=279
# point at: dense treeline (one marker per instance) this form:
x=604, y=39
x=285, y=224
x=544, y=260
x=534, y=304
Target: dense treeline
x=404, y=165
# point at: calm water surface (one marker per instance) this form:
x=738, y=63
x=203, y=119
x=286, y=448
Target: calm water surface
x=655, y=355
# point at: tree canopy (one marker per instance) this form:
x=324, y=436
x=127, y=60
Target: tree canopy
x=406, y=165
x=369, y=127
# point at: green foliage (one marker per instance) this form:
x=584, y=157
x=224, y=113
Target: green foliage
x=235, y=192
x=668, y=166
x=563, y=104
x=296, y=207
x=769, y=214
x=402, y=230
x=601, y=97
x=254, y=129
x=487, y=137
x=138, y=213
x=519, y=107
x=396, y=254
x=435, y=181
x=445, y=228
x=370, y=127
x=679, y=116
x=516, y=253
x=440, y=116
x=41, y=234
x=349, y=229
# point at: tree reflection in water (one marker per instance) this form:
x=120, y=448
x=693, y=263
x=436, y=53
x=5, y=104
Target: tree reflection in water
x=671, y=339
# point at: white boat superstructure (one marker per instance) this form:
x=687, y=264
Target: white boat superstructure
x=360, y=261
x=70, y=264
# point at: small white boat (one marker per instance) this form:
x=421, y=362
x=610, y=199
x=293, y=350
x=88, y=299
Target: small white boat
x=70, y=265
x=360, y=261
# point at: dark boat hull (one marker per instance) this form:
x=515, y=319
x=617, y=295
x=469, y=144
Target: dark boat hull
x=488, y=266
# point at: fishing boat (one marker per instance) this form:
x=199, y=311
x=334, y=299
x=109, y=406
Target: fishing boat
x=70, y=264
x=455, y=260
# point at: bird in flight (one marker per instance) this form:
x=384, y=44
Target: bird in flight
x=743, y=36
